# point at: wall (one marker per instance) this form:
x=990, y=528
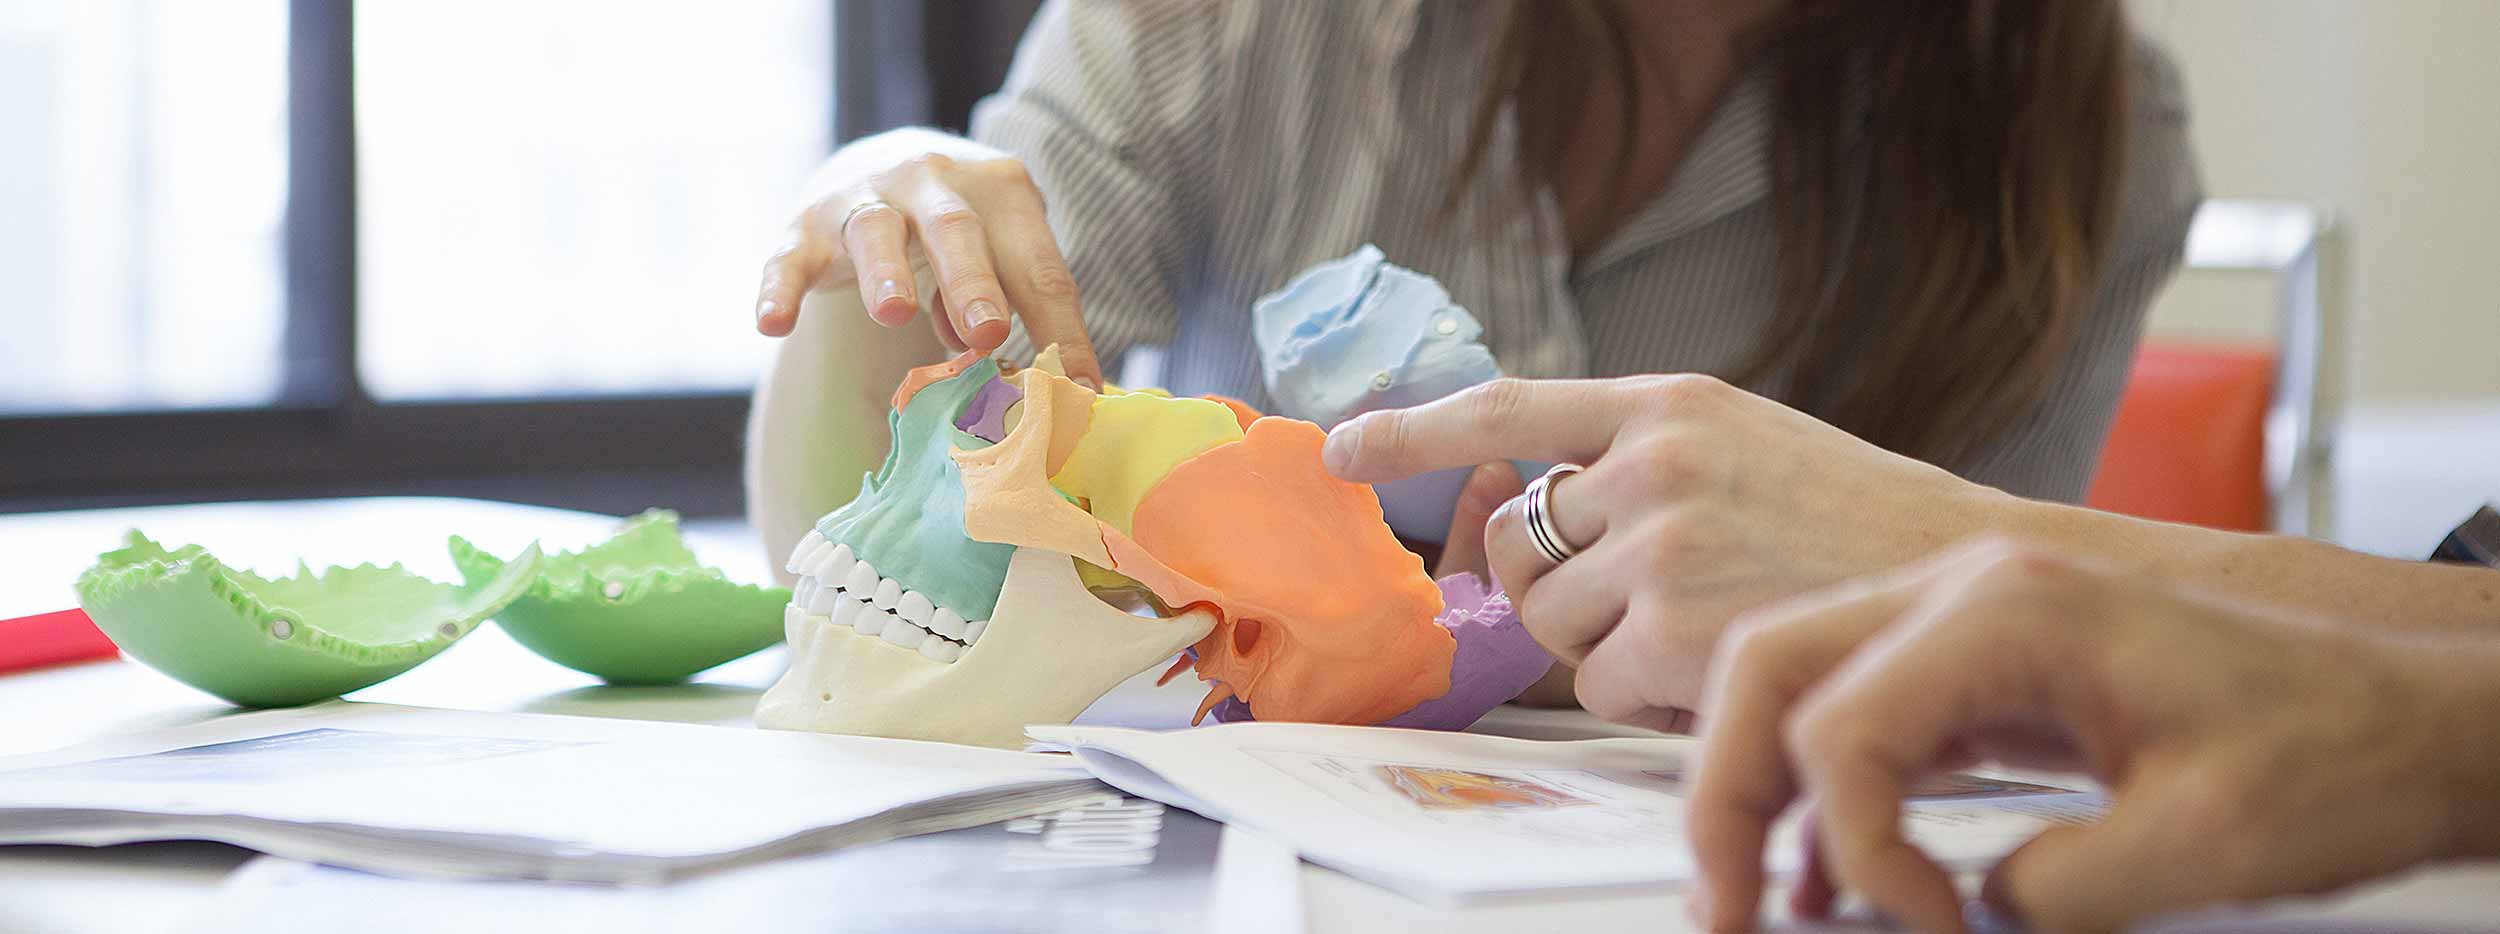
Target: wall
x=2385, y=112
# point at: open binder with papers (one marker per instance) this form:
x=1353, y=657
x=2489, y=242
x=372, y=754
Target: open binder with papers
x=445, y=794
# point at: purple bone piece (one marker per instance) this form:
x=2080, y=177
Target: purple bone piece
x=985, y=417
x=1495, y=661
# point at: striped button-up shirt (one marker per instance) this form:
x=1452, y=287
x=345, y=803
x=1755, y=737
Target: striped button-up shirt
x=1196, y=154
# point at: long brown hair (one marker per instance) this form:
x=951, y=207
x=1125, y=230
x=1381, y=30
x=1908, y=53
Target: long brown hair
x=1945, y=183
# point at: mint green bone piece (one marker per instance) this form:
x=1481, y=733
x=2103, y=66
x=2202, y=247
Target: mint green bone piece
x=908, y=520
x=260, y=642
x=637, y=608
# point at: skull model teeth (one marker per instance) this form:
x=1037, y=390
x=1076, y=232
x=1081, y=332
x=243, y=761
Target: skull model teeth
x=903, y=633
x=946, y=622
x=914, y=608
x=871, y=607
x=861, y=581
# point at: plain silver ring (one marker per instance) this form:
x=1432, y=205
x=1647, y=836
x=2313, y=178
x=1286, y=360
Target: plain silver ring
x=845, y=229
x=1541, y=531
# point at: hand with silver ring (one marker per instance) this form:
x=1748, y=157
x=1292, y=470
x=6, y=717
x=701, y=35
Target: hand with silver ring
x=1698, y=502
x=971, y=213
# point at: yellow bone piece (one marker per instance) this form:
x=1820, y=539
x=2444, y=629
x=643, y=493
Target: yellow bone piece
x=1132, y=442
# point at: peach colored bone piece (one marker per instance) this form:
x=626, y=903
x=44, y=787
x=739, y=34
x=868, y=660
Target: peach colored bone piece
x=921, y=376
x=1326, y=618
x=1007, y=492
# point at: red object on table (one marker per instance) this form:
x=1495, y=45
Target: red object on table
x=51, y=639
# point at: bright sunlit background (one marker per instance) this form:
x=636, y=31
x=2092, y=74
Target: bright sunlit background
x=579, y=199
x=560, y=209
x=575, y=201
x=142, y=186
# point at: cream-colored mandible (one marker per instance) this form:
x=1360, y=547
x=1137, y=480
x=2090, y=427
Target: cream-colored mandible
x=1051, y=650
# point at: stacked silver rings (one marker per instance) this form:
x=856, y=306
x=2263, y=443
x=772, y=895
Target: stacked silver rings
x=1541, y=530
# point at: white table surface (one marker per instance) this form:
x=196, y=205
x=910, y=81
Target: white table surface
x=155, y=887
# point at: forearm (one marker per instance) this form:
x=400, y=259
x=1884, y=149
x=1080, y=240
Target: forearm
x=2280, y=570
x=2460, y=706
x=819, y=420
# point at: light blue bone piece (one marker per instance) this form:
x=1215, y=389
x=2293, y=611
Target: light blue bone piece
x=1357, y=335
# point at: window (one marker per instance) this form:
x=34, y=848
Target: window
x=575, y=197
x=143, y=179
x=274, y=248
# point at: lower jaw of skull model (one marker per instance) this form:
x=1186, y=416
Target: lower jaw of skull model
x=1051, y=649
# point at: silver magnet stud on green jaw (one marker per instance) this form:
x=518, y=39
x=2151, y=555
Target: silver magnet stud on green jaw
x=637, y=608
x=263, y=642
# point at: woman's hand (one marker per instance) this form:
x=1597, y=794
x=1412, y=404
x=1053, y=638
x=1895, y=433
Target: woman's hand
x=1700, y=502
x=1462, y=551
x=2249, y=754
x=972, y=211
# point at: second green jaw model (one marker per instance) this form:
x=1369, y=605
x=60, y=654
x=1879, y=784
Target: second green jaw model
x=635, y=609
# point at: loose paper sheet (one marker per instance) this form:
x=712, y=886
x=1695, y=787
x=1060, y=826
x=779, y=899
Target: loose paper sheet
x=437, y=792
x=1110, y=865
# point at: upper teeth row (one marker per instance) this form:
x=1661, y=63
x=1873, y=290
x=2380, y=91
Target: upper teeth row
x=834, y=582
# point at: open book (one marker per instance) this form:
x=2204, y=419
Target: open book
x=1450, y=818
x=445, y=794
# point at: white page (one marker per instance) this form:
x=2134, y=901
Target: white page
x=588, y=786
x=1110, y=866
x=1447, y=817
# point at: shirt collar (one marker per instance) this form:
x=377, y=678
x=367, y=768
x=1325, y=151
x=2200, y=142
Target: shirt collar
x=1726, y=169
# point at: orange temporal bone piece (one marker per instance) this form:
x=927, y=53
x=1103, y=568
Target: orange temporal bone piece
x=1326, y=619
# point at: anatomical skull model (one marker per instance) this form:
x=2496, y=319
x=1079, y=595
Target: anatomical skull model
x=970, y=588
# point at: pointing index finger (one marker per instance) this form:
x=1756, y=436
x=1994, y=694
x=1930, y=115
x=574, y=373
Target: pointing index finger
x=1506, y=419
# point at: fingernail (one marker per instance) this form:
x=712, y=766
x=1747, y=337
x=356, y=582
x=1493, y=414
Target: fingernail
x=982, y=312
x=765, y=309
x=1338, y=453
x=888, y=305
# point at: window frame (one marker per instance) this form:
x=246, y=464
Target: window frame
x=325, y=436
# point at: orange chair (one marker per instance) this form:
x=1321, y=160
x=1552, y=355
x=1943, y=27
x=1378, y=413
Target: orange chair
x=2239, y=436
x=2189, y=441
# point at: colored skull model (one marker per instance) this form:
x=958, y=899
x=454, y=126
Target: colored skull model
x=961, y=595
